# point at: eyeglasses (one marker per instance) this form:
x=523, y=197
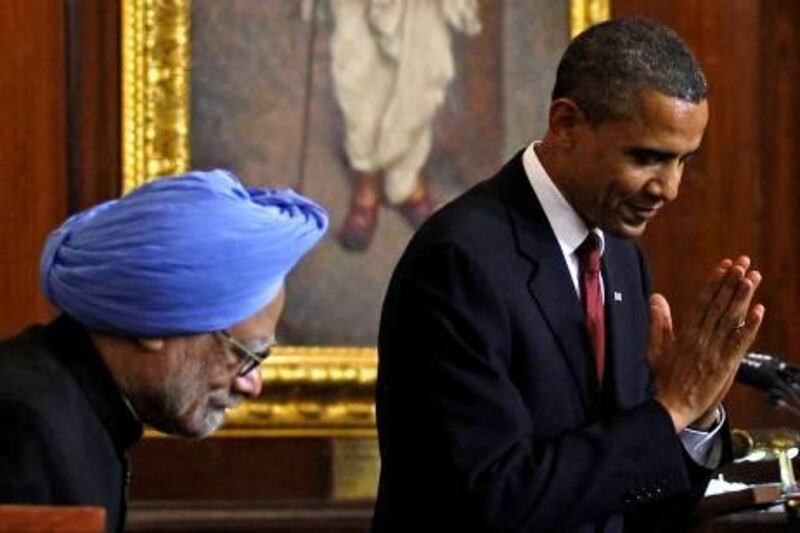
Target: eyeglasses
x=249, y=357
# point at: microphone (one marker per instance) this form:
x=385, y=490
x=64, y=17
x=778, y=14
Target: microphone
x=766, y=372
x=781, y=367
x=778, y=379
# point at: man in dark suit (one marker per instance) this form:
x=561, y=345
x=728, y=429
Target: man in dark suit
x=170, y=299
x=528, y=381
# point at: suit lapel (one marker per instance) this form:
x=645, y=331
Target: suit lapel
x=549, y=282
x=621, y=316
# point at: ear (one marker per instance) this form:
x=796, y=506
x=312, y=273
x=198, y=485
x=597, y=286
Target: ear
x=151, y=344
x=565, y=117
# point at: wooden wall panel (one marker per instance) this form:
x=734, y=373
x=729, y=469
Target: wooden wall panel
x=32, y=151
x=240, y=484
x=739, y=194
x=780, y=174
x=93, y=78
x=60, y=141
x=226, y=469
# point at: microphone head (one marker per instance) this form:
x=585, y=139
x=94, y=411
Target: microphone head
x=783, y=368
x=758, y=375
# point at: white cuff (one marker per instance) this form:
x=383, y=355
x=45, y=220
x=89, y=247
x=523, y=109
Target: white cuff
x=705, y=447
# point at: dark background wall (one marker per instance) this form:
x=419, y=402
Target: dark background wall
x=59, y=140
x=33, y=114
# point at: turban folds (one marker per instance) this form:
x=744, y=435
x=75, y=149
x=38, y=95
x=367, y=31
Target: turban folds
x=179, y=255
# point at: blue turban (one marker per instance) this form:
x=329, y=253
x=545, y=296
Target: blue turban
x=179, y=255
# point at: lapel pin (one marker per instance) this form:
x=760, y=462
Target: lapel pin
x=617, y=296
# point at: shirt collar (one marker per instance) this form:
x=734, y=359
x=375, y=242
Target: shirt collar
x=569, y=228
x=70, y=341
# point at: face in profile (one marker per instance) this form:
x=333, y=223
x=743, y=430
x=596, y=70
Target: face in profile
x=197, y=377
x=625, y=170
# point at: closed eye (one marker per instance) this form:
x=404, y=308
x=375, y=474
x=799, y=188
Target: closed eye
x=261, y=345
x=647, y=157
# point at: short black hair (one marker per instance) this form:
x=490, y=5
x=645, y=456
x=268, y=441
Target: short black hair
x=607, y=68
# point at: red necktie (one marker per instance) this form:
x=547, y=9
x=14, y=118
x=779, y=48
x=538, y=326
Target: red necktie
x=592, y=298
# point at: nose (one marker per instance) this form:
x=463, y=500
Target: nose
x=248, y=385
x=667, y=183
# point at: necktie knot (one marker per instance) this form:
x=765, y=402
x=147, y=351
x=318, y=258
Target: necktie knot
x=589, y=254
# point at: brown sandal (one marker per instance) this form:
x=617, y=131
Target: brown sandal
x=417, y=209
x=359, y=226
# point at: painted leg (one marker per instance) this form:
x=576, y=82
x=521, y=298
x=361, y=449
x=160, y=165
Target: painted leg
x=362, y=217
x=418, y=206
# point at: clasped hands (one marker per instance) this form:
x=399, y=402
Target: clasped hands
x=694, y=368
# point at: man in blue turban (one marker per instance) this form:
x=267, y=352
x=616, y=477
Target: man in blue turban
x=170, y=297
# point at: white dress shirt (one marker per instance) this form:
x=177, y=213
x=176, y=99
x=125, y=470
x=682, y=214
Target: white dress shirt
x=705, y=447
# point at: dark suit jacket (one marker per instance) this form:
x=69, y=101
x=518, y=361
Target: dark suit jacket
x=489, y=414
x=64, y=427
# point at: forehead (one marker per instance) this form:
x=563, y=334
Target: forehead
x=660, y=122
x=263, y=323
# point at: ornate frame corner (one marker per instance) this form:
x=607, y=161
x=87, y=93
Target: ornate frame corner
x=156, y=73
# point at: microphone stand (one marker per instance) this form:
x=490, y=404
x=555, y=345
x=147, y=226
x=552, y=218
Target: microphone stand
x=775, y=398
x=784, y=444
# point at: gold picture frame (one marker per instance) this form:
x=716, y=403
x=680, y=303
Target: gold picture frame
x=585, y=13
x=313, y=391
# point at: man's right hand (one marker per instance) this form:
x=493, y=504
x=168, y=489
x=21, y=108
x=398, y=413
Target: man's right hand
x=693, y=370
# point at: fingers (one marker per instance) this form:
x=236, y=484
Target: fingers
x=723, y=325
x=725, y=301
x=708, y=293
x=735, y=314
x=712, y=286
x=660, y=329
x=741, y=338
x=727, y=287
x=660, y=301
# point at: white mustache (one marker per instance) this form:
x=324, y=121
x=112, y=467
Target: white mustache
x=226, y=403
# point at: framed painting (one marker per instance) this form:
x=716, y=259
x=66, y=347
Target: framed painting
x=342, y=101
